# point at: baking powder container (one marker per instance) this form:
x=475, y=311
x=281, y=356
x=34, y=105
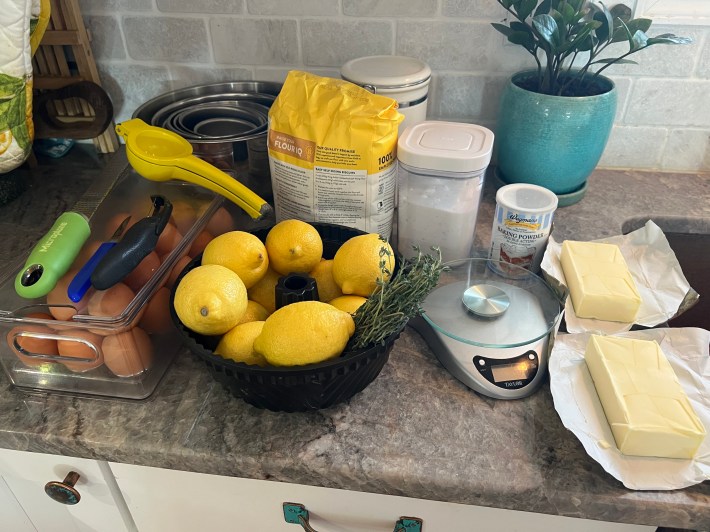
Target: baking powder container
x=521, y=226
x=441, y=172
x=404, y=79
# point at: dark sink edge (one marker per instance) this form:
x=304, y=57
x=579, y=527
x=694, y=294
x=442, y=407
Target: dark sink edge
x=669, y=224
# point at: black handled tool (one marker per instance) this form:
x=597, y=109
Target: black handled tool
x=82, y=280
x=136, y=244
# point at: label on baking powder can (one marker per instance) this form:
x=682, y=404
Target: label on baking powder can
x=521, y=227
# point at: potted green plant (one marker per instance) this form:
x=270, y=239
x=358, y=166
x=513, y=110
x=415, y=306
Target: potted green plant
x=555, y=120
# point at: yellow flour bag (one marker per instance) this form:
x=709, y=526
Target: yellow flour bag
x=332, y=153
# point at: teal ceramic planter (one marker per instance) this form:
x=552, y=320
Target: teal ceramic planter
x=552, y=141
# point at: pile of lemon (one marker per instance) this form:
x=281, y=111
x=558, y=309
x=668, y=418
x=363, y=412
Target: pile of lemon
x=232, y=293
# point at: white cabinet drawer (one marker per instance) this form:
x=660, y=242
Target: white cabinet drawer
x=178, y=501
x=23, y=477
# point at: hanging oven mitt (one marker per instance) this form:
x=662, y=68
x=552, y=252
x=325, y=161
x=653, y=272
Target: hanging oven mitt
x=22, y=24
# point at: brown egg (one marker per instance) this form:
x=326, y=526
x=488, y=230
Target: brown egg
x=110, y=302
x=220, y=223
x=142, y=273
x=115, y=221
x=81, y=344
x=183, y=216
x=40, y=346
x=128, y=353
x=168, y=240
x=60, y=306
x=156, y=316
x=177, y=270
x=200, y=243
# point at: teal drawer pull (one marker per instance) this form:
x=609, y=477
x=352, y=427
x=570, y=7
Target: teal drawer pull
x=298, y=514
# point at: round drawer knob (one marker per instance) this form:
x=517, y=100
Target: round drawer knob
x=64, y=491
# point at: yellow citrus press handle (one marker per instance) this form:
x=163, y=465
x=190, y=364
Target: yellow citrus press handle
x=202, y=173
x=160, y=155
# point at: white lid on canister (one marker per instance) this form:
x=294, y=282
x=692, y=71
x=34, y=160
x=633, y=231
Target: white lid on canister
x=383, y=72
x=527, y=198
x=447, y=146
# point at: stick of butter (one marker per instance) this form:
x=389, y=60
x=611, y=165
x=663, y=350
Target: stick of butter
x=645, y=405
x=599, y=282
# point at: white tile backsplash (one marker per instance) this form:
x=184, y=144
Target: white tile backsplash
x=702, y=68
x=669, y=102
x=467, y=97
x=186, y=76
x=634, y=147
x=660, y=60
x=114, y=6
x=190, y=6
x=332, y=42
x=623, y=89
x=462, y=46
x=131, y=85
x=147, y=47
x=687, y=149
x=107, y=39
x=279, y=74
x=390, y=8
x=166, y=39
x=289, y=7
x=475, y=9
x=254, y=41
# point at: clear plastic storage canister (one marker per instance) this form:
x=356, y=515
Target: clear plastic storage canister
x=404, y=79
x=441, y=172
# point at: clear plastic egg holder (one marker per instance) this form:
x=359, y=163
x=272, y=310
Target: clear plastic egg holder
x=119, y=342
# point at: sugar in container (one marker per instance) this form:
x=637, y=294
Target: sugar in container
x=441, y=172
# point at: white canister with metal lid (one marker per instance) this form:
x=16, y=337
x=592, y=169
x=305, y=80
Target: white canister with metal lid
x=404, y=79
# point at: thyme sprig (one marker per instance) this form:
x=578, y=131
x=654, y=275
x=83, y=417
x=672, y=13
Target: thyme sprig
x=397, y=300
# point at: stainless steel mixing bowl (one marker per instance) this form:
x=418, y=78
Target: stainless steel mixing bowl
x=226, y=123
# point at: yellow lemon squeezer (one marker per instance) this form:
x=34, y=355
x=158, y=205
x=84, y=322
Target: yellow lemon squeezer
x=161, y=155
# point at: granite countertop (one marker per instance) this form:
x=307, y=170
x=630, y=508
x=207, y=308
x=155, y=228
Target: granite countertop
x=415, y=431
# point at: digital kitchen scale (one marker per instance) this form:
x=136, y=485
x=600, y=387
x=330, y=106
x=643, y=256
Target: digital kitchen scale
x=492, y=331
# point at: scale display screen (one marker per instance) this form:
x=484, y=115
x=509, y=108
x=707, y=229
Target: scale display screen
x=512, y=372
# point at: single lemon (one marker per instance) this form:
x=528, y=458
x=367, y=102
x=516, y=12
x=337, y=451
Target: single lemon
x=306, y=332
x=348, y=304
x=360, y=262
x=327, y=287
x=241, y=252
x=210, y=299
x=255, y=312
x=264, y=291
x=294, y=247
x=238, y=344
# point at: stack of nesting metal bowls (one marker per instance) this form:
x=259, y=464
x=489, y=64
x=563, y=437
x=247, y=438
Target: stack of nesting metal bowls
x=226, y=123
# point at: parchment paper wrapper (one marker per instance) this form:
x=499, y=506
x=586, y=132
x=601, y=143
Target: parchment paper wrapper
x=656, y=272
x=578, y=406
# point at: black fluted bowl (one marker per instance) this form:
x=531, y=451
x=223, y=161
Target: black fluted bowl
x=295, y=388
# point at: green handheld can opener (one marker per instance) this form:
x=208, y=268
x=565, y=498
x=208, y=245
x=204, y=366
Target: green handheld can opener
x=52, y=256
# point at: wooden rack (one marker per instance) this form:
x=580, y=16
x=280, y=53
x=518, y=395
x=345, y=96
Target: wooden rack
x=64, y=56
